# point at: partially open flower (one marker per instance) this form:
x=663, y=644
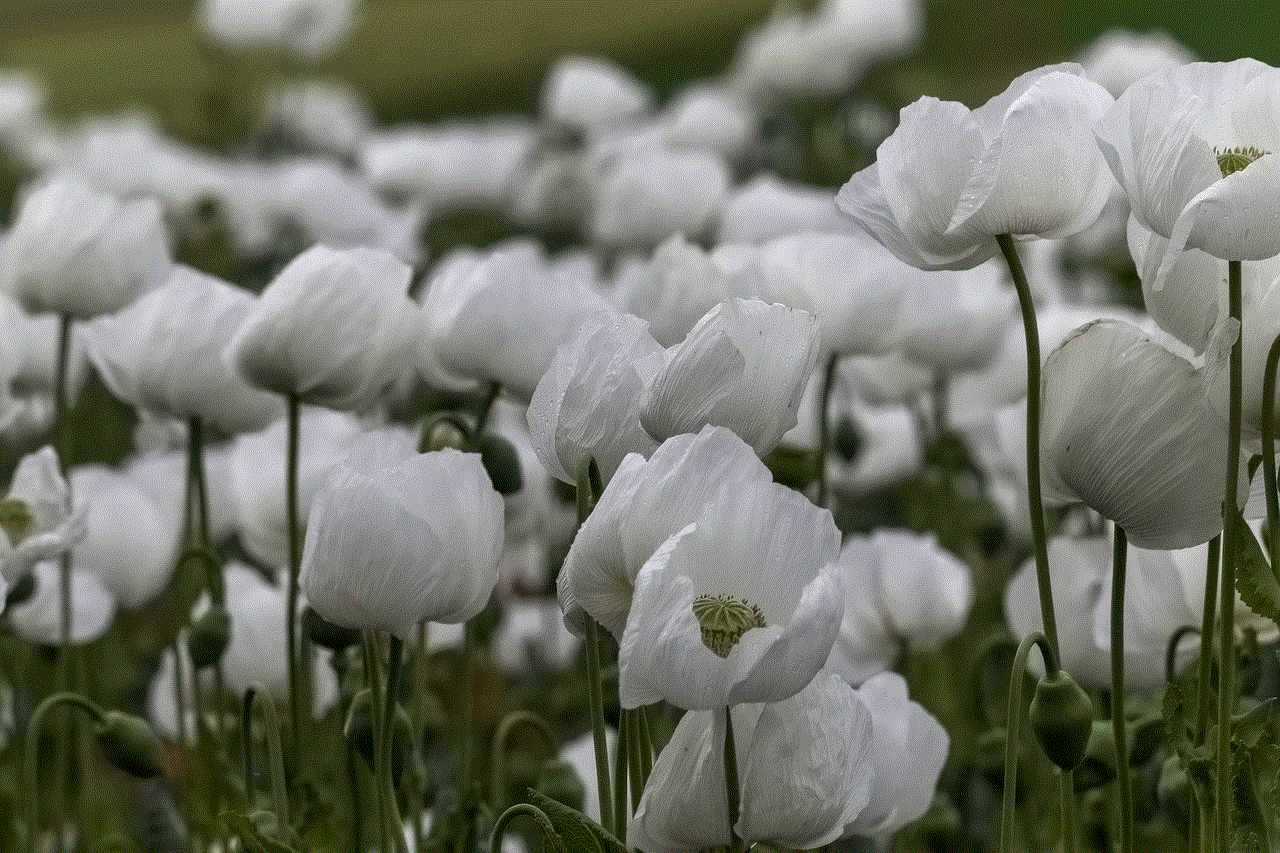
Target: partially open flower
x=950, y=179
x=37, y=521
x=744, y=366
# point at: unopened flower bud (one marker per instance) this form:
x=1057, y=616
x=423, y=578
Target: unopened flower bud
x=131, y=744
x=1062, y=718
x=1099, y=765
x=501, y=462
x=209, y=637
x=559, y=781
x=326, y=634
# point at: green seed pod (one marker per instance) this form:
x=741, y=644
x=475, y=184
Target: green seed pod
x=559, y=781
x=441, y=433
x=1099, y=765
x=1173, y=790
x=131, y=744
x=325, y=634
x=1062, y=719
x=501, y=462
x=209, y=637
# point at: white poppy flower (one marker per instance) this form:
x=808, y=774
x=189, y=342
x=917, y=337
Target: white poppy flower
x=889, y=450
x=323, y=114
x=806, y=771
x=641, y=507
x=389, y=548
x=257, y=477
x=1197, y=148
x=744, y=366
x=592, y=94
x=924, y=592
x=587, y=403
x=256, y=653
x=909, y=748
x=49, y=526
x=867, y=643
x=499, y=317
x=767, y=208
x=333, y=328
x=678, y=285
x=76, y=251
x=163, y=477
x=131, y=542
x=707, y=117
x=1125, y=429
x=39, y=618
x=312, y=29
x=955, y=321
x=949, y=180
x=645, y=196
x=847, y=281
x=164, y=353
x=742, y=605
x=450, y=166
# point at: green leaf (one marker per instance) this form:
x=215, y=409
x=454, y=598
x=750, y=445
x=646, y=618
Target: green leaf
x=580, y=833
x=1254, y=825
x=1255, y=581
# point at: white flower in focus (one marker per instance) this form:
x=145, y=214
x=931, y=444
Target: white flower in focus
x=587, y=403
x=499, y=318
x=909, y=748
x=389, y=548
x=643, y=197
x=1197, y=148
x=806, y=771
x=164, y=353
x=39, y=618
x=39, y=522
x=131, y=542
x=744, y=366
x=950, y=179
x=1125, y=429
x=333, y=328
x=592, y=94
x=312, y=29
x=742, y=605
x=643, y=505
x=76, y=251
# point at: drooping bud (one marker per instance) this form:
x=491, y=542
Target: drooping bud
x=501, y=462
x=1099, y=765
x=326, y=634
x=131, y=744
x=21, y=591
x=1062, y=718
x=209, y=637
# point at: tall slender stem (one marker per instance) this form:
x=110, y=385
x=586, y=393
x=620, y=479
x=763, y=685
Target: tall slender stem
x=257, y=696
x=498, y=751
x=1035, y=502
x=824, y=425
x=291, y=597
x=595, y=705
x=1013, y=727
x=62, y=438
x=467, y=761
x=387, y=780
x=1067, y=795
x=32, y=747
x=1211, y=565
x=1227, y=587
x=621, y=761
x=1119, y=552
x=1269, y=449
x=373, y=675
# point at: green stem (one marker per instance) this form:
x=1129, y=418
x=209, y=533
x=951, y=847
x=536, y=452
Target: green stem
x=486, y=406
x=386, y=780
x=498, y=750
x=1048, y=617
x=635, y=758
x=1119, y=553
x=621, y=761
x=731, y=786
x=357, y=805
x=1269, y=449
x=595, y=706
x=467, y=763
x=1227, y=587
x=1013, y=727
x=1067, y=795
x=373, y=676
x=32, y=747
x=291, y=597
x=1206, y=632
x=824, y=426
x=1171, y=651
x=257, y=696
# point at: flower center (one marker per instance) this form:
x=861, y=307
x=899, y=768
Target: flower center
x=1232, y=160
x=15, y=520
x=724, y=619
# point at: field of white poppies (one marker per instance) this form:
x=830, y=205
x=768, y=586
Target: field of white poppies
x=809, y=447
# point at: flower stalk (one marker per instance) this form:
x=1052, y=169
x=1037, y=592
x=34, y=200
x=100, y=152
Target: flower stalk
x=1121, y=547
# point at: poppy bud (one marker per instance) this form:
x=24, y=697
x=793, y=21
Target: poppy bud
x=209, y=637
x=501, y=463
x=131, y=744
x=1062, y=718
